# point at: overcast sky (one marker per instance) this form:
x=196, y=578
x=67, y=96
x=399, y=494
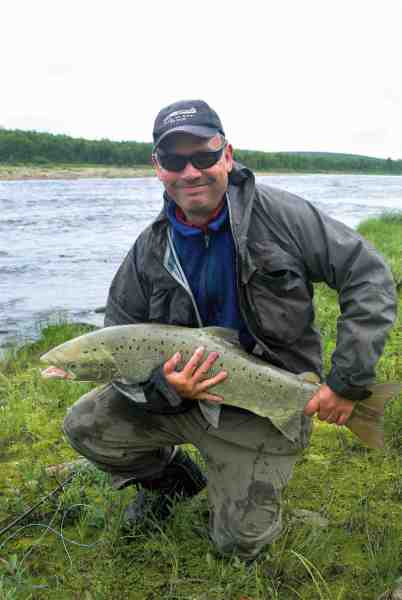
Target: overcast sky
x=317, y=75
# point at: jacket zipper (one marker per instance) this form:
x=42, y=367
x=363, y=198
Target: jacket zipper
x=183, y=279
x=211, y=413
x=205, y=271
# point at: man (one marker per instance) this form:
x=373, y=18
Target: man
x=229, y=252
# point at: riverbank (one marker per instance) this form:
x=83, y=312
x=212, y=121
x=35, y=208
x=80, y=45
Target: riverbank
x=21, y=172
x=72, y=545
x=84, y=171
x=35, y=172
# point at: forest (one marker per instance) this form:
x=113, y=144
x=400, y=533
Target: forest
x=32, y=147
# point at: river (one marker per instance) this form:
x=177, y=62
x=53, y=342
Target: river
x=62, y=241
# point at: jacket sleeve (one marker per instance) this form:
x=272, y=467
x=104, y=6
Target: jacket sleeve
x=339, y=256
x=127, y=300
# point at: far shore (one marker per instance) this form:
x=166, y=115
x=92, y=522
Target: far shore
x=21, y=172
x=18, y=172
x=72, y=171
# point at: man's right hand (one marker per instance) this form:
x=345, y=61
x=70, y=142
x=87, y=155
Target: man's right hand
x=190, y=383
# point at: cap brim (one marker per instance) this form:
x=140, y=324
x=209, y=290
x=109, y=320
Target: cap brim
x=197, y=130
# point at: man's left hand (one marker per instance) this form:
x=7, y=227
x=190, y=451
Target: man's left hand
x=329, y=406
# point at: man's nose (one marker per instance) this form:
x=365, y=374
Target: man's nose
x=190, y=171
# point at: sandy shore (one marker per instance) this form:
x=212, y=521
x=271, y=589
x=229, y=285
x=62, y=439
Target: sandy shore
x=11, y=172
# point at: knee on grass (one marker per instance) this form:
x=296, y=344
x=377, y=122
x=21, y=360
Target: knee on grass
x=245, y=542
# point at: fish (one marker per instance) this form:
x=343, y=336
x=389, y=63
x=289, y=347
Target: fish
x=129, y=353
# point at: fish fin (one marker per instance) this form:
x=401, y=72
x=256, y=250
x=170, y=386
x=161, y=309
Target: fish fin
x=309, y=377
x=367, y=419
x=223, y=333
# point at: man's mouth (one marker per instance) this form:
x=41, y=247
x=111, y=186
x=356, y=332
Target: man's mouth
x=192, y=187
x=181, y=185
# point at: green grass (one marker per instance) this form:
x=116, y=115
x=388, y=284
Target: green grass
x=72, y=546
x=385, y=234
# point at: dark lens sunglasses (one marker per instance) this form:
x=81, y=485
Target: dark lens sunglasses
x=199, y=160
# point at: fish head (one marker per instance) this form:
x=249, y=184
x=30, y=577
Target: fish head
x=84, y=358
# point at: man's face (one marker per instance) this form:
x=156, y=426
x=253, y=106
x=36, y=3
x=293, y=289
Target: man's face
x=198, y=192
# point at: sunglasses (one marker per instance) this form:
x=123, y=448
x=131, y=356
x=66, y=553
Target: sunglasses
x=199, y=160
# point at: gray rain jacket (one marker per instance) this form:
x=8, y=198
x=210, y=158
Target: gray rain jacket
x=283, y=244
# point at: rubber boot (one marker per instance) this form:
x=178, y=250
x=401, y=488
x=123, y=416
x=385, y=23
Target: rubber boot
x=181, y=479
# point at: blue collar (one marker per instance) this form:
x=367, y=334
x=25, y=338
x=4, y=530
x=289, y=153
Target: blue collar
x=187, y=230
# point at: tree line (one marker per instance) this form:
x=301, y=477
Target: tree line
x=18, y=146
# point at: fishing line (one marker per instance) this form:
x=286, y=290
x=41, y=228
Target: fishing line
x=52, y=530
x=30, y=510
x=48, y=527
x=37, y=542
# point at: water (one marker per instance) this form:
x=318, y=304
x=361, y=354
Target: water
x=62, y=241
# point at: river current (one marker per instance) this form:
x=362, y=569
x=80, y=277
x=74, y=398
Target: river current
x=62, y=241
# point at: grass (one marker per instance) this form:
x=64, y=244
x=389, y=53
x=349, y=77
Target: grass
x=385, y=234
x=72, y=546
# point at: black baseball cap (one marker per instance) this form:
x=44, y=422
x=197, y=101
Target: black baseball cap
x=187, y=116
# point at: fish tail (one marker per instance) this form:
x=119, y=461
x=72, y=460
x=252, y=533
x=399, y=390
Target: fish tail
x=367, y=419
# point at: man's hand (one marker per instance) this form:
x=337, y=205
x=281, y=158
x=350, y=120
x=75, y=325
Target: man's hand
x=190, y=382
x=330, y=407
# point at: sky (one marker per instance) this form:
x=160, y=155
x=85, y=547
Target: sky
x=284, y=75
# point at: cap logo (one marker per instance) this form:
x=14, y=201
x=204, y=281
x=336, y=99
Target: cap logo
x=179, y=115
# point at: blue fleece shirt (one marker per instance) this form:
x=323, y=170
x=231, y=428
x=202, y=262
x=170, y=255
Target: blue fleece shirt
x=208, y=261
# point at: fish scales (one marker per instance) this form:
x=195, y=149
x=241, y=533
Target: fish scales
x=131, y=352
x=253, y=384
